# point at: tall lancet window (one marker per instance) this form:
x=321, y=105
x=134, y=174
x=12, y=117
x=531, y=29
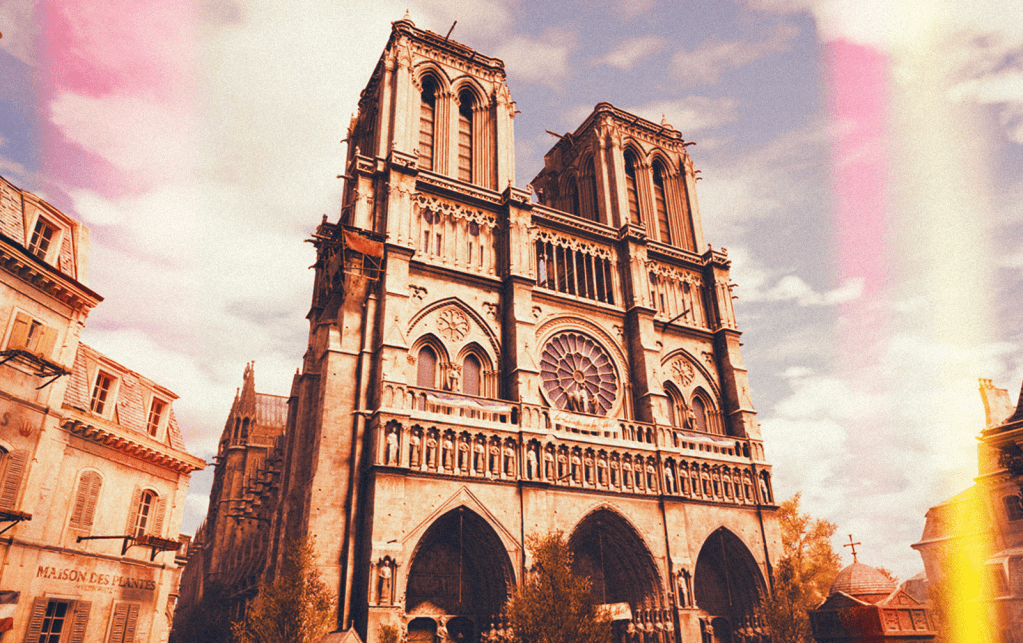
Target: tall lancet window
x=630, y=187
x=426, y=373
x=661, y=204
x=427, y=118
x=471, y=372
x=465, y=105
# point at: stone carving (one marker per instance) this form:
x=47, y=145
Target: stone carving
x=683, y=371
x=414, y=443
x=418, y=293
x=577, y=374
x=452, y=324
x=392, y=447
x=537, y=312
x=454, y=382
x=490, y=310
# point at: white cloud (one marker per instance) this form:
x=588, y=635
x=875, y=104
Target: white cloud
x=630, y=52
x=542, y=60
x=633, y=8
x=705, y=64
x=690, y=114
x=20, y=29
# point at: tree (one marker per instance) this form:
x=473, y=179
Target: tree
x=552, y=605
x=294, y=607
x=803, y=575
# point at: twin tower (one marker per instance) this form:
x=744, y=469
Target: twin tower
x=487, y=363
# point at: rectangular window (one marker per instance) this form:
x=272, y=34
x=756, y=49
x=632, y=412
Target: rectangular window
x=42, y=236
x=1013, y=508
x=53, y=621
x=29, y=334
x=155, y=416
x=100, y=392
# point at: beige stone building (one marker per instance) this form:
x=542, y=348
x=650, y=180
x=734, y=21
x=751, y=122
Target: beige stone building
x=977, y=535
x=488, y=363
x=88, y=448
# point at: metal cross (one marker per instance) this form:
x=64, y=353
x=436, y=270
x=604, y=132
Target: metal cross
x=852, y=546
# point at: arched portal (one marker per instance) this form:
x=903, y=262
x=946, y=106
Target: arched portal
x=459, y=568
x=728, y=584
x=609, y=551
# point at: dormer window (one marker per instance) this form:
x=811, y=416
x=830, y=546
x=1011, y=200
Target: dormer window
x=101, y=392
x=42, y=236
x=156, y=412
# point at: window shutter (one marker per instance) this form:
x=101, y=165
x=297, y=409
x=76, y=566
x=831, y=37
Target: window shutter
x=157, y=522
x=35, y=621
x=85, y=500
x=133, y=512
x=82, y=609
x=92, y=497
x=47, y=340
x=15, y=461
x=19, y=334
x=131, y=623
x=119, y=621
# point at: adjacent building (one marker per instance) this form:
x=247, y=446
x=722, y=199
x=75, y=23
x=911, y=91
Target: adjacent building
x=974, y=540
x=488, y=363
x=93, y=469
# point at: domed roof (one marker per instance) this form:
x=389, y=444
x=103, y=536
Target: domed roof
x=859, y=579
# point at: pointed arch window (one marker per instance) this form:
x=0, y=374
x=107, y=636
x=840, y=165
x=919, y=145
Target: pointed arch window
x=588, y=189
x=630, y=187
x=700, y=414
x=661, y=204
x=465, y=116
x=427, y=124
x=426, y=364
x=471, y=375
x=676, y=407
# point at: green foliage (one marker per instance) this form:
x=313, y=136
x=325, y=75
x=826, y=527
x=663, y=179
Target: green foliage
x=551, y=605
x=390, y=634
x=803, y=575
x=295, y=607
x=205, y=622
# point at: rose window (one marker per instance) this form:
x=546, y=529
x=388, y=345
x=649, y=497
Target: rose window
x=577, y=374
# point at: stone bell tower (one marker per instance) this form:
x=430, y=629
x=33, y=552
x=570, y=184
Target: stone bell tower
x=488, y=363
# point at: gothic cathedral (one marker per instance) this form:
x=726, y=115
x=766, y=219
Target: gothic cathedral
x=488, y=363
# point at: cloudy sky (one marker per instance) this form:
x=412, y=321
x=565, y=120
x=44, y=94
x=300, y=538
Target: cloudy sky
x=861, y=161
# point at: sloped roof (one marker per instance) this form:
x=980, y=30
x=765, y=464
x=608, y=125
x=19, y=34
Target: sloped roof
x=271, y=410
x=131, y=411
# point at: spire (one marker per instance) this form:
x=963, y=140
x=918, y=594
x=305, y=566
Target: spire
x=247, y=402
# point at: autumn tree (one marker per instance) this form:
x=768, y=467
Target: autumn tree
x=803, y=575
x=294, y=607
x=552, y=605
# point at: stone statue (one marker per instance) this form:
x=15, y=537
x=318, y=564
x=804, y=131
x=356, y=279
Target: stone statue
x=431, y=453
x=509, y=461
x=446, y=453
x=392, y=447
x=414, y=443
x=669, y=481
x=530, y=464
x=384, y=596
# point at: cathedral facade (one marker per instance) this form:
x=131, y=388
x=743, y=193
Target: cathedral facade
x=487, y=364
